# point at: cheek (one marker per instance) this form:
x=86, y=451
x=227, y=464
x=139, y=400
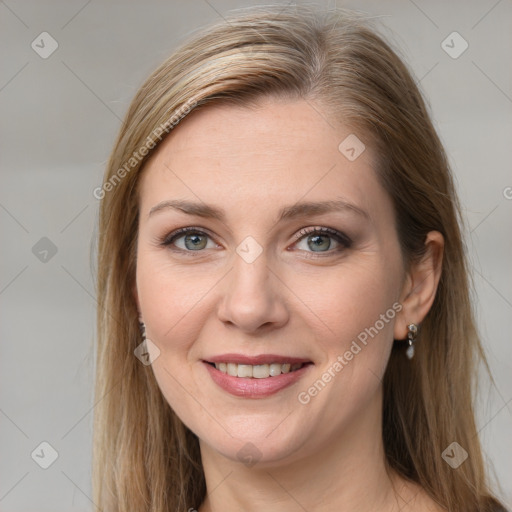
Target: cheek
x=356, y=309
x=355, y=332
x=172, y=303
x=171, y=300
x=349, y=300
x=354, y=313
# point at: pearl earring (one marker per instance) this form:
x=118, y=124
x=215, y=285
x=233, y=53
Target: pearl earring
x=411, y=338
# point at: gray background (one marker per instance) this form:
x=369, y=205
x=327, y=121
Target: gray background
x=59, y=118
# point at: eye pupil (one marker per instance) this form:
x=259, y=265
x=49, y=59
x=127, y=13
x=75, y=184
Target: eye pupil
x=195, y=241
x=319, y=242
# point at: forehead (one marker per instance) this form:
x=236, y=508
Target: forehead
x=274, y=153
x=273, y=126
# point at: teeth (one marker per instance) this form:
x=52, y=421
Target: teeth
x=244, y=370
x=259, y=371
x=275, y=369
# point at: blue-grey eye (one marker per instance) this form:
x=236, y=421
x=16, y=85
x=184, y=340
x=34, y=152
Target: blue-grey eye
x=319, y=243
x=322, y=240
x=195, y=241
x=190, y=240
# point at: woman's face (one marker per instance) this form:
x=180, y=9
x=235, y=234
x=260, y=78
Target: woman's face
x=291, y=260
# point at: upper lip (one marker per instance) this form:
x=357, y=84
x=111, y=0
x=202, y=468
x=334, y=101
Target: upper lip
x=256, y=360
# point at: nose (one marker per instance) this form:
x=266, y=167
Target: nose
x=253, y=297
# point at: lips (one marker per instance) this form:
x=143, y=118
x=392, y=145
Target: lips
x=255, y=376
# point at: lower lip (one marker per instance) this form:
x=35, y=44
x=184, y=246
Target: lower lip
x=255, y=388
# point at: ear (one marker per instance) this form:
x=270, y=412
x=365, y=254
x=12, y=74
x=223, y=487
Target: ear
x=420, y=286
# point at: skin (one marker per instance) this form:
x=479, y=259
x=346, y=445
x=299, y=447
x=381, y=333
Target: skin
x=327, y=454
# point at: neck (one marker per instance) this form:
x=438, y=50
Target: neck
x=347, y=472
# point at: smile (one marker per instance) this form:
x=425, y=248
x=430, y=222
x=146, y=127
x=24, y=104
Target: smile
x=259, y=371
x=255, y=376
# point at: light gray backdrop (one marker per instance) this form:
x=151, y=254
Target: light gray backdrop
x=60, y=113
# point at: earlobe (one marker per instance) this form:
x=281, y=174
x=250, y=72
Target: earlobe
x=420, y=286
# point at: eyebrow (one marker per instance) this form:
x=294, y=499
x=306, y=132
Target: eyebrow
x=288, y=212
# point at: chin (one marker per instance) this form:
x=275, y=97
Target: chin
x=264, y=445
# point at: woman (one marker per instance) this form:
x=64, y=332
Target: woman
x=284, y=319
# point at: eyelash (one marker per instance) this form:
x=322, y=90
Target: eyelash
x=341, y=238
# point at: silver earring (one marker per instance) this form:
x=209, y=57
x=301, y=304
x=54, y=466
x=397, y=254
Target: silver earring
x=411, y=338
x=143, y=330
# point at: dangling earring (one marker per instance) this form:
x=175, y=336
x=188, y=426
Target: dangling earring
x=143, y=330
x=411, y=338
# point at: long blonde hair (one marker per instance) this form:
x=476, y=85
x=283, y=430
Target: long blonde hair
x=144, y=458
